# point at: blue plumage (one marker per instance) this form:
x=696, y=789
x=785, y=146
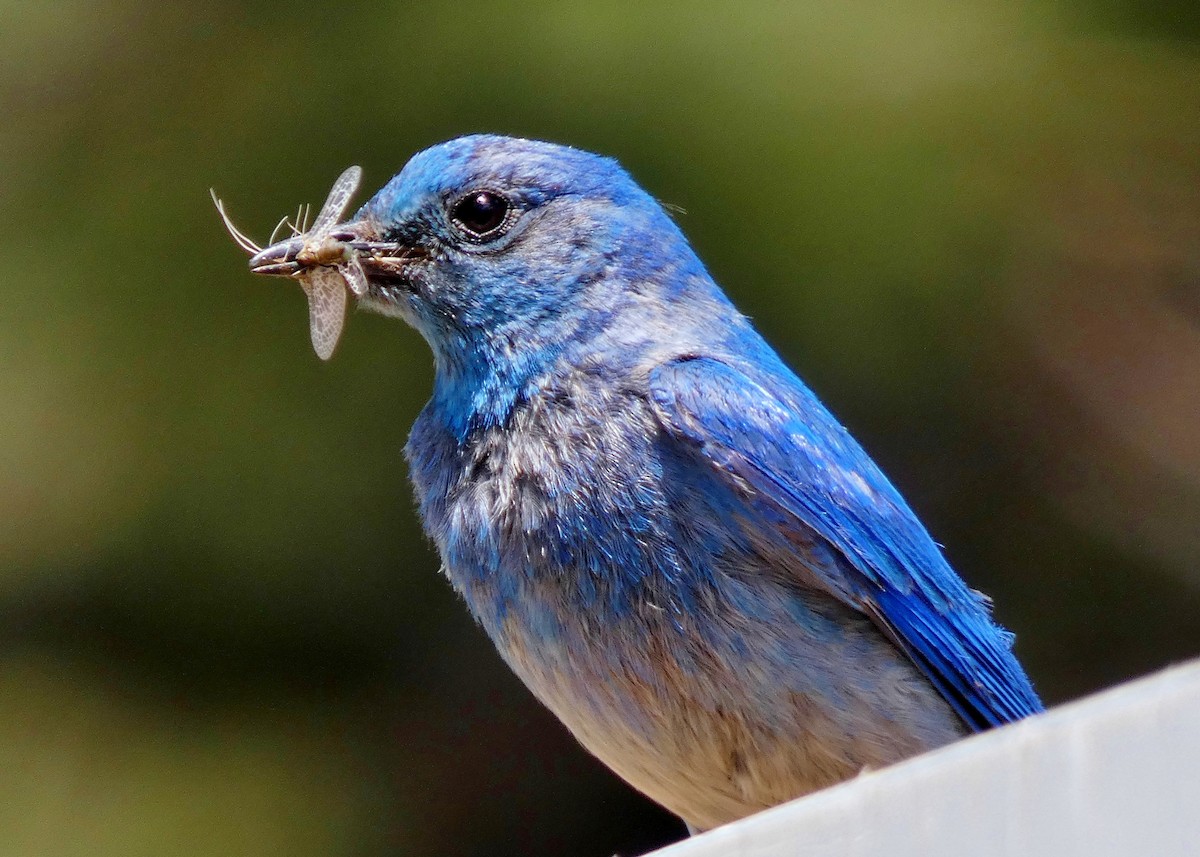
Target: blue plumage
x=804, y=472
x=668, y=537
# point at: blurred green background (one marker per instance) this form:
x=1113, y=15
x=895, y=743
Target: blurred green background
x=972, y=225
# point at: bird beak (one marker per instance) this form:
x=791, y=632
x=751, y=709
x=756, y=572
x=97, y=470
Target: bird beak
x=355, y=244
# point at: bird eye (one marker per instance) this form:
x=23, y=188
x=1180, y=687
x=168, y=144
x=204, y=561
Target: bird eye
x=481, y=213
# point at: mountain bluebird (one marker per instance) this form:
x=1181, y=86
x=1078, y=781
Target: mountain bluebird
x=667, y=536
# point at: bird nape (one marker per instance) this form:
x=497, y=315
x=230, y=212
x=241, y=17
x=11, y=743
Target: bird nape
x=667, y=536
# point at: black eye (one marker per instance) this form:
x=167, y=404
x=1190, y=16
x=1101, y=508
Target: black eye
x=481, y=213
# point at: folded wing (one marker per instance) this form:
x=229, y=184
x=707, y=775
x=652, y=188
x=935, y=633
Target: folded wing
x=795, y=468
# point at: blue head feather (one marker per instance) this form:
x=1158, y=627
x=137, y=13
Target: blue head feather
x=587, y=243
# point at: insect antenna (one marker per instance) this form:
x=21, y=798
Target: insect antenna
x=238, y=236
x=282, y=222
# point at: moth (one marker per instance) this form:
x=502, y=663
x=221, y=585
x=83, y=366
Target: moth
x=325, y=265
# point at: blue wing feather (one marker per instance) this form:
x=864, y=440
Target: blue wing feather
x=793, y=463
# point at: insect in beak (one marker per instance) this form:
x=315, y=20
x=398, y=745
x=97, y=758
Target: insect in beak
x=329, y=258
x=323, y=258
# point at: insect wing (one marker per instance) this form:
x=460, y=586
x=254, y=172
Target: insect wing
x=338, y=199
x=326, y=292
x=355, y=276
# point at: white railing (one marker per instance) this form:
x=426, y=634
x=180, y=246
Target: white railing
x=1113, y=775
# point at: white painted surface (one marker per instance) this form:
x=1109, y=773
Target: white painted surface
x=1113, y=775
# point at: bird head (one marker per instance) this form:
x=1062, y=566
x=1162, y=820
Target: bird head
x=502, y=252
x=509, y=237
